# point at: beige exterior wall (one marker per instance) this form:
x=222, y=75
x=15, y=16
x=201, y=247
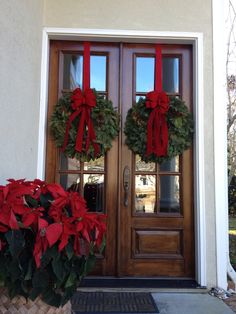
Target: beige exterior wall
x=20, y=57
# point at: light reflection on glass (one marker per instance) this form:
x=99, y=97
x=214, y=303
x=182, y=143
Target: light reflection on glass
x=170, y=194
x=144, y=74
x=69, y=163
x=145, y=193
x=70, y=182
x=143, y=166
x=98, y=72
x=73, y=72
x=95, y=165
x=170, y=74
x=170, y=165
x=94, y=192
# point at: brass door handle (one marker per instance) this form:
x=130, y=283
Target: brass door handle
x=126, y=184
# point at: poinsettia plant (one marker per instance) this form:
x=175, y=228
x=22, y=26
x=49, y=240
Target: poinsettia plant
x=48, y=240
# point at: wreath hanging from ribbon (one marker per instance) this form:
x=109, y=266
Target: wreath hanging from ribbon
x=83, y=123
x=159, y=127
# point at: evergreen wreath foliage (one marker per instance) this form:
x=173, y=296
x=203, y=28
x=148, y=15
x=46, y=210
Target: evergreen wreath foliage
x=180, y=129
x=106, y=125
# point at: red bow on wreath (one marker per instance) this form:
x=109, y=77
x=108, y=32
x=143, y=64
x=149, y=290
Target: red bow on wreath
x=82, y=103
x=157, y=129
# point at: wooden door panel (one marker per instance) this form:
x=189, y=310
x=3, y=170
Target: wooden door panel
x=156, y=268
x=157, y=243
x=158, y=240
x=106, y=262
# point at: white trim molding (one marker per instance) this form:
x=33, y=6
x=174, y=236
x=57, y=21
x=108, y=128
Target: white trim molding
x=43, y=106
x=196, y=39
x=220, y=141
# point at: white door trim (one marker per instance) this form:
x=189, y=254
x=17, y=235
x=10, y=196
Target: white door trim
x=196, y=39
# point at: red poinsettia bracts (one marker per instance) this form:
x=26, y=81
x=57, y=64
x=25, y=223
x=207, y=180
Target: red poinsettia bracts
x=68, y=229
x=31, y=216
x=54, y=215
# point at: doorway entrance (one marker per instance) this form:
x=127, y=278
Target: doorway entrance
x=149, y=207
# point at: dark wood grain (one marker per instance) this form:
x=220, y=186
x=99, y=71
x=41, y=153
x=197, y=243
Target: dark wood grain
x=138, y=244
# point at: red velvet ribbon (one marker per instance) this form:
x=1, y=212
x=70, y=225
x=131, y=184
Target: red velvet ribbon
x=157, y=129
x=82, y=103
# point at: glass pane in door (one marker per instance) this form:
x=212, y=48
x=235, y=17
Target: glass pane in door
x=94, y=192
x=98, y=73
x=145, y=193
x=169, y=194
x=144, y=74
x=170, y=74
x=70, y=182
x=73, y=72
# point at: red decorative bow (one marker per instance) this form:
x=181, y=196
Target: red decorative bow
x=157, y=130
x=82, y=103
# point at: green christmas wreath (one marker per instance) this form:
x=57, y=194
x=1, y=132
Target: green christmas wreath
x=105, y=121
x=180, y=129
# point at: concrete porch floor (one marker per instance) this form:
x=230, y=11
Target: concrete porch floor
x=182, y=301
x=190, y=303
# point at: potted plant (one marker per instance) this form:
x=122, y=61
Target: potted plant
x=47, y=240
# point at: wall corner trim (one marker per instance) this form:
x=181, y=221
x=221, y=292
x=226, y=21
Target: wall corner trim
x=220, y=141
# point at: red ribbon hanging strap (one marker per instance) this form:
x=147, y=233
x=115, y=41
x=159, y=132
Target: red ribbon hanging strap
x=158, y=101
x=82, y=102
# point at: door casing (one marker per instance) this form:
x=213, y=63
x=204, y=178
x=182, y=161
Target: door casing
x=196, y=39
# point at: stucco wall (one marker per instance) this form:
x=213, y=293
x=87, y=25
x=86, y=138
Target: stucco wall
x=20, y=57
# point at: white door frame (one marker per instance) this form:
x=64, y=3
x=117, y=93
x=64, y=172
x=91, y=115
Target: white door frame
x=196, y=39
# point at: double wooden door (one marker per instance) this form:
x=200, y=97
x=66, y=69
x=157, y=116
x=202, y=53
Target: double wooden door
x=149, y=207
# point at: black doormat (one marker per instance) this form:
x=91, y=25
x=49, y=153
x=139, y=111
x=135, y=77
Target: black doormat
x=93, y=282
x=113, y=302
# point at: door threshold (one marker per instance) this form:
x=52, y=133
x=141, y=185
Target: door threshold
x=139, y=283
x=200, y=290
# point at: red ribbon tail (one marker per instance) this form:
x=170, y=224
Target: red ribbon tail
x=68, y=125
x=88, y=120
x=162, y=137
x=80, y=132
x=91, y=136
x=151, y=119
x=157, y=135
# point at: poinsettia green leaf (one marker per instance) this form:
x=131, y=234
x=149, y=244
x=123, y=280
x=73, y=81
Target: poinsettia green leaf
x=14, y=289
x=69, y=250
x=58, y=269
x=45, y=200
x=69, y=292
x=29, y=273
x=90, y=263
x=71, y=279
x=40, y=279
x=14, y=269
x=50, y=297
x=32, y=202
x=35, y=292
x=16, y=241
x=102, y=247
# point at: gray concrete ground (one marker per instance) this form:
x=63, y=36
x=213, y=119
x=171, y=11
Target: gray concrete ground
x=190, y=303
